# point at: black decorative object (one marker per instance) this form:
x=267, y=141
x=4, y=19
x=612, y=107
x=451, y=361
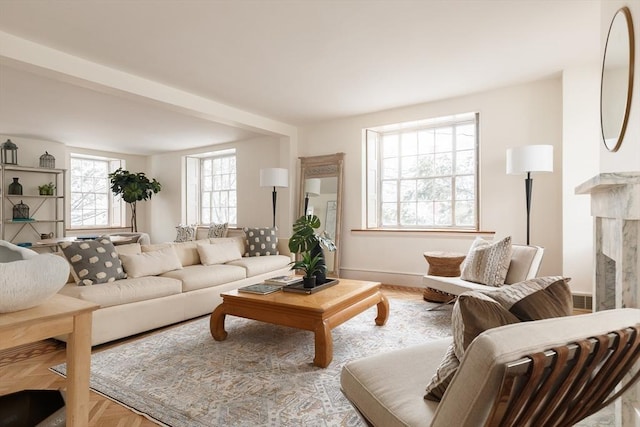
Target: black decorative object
x=21, y=211
x=9, y=153
x=15, y=188
x=47, y=161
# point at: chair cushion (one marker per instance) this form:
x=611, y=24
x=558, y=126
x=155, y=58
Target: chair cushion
x=525, y=263
x=487, y=263
x=93, y=261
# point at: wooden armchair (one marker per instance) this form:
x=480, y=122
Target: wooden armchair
x=551, y=372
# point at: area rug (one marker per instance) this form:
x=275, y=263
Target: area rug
x=261, y=375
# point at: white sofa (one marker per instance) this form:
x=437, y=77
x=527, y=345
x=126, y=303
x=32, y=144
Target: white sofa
x=388, y=389
x=133, y=305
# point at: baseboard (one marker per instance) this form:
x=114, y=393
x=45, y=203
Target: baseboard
x=582, y=301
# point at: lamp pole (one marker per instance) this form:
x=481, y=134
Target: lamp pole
x=528, y=187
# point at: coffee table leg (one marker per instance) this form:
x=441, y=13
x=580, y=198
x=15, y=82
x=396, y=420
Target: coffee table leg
x=216, y=323
x=383, y=310
x=324, y=345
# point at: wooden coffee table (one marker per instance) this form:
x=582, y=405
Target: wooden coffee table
x=318, y=312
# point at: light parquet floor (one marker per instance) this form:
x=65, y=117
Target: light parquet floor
x=27, y=367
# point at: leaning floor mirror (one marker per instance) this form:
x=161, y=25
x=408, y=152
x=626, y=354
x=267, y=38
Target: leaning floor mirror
x=321, y=195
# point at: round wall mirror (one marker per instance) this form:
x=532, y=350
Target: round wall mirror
x=617, y=79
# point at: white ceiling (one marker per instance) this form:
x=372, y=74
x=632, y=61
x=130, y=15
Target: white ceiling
x=297, y=61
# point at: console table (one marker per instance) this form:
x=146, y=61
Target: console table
x=60, y=315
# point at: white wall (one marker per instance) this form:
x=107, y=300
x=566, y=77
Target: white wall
x=580, y=139
x=254, y=202
x=512, y=116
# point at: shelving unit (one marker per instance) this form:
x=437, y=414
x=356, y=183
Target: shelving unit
x=47, y=213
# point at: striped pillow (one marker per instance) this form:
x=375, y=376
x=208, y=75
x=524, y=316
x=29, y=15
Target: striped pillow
x=487, y=263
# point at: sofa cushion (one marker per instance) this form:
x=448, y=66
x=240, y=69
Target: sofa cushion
x=204, y=276
x=218, y=253
x=261, y=241
x=237, y=240
x=125, y=291
x=93, y=261
x=444, y=374
x=128, y=249
x=487, y=263
x=188, y=252
x=151, y=263
x=185, y=233
x=263, y=264
x=218, y=230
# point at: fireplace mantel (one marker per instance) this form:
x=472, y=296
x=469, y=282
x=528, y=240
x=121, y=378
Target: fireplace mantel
x=613, y=195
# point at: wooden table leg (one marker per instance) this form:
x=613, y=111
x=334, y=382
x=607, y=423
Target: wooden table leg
x=216, y=323
x=324, y=344
x=383, y=310
x=79, y=371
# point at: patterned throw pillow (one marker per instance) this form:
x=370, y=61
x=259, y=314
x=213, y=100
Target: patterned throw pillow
x=93, y=261
x=474, y=312
x=185, y=233
x=218, y=230
x=487, y=263
x=261, y=241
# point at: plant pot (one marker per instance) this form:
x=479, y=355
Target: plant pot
x=309, y=282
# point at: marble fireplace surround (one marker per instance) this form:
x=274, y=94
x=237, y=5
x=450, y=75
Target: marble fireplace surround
x=615, y=206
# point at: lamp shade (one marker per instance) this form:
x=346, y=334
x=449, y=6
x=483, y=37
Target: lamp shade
x=312, y=187
x=530, y=158
x=274, y=177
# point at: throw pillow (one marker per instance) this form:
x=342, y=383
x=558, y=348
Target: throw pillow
x=151, y=263
x=535, y=299
x=261, y=241
x=93, y=261
x=487, y=263
x=443, y=376
x=185, y=233
x=218, y=253
x=218, y=230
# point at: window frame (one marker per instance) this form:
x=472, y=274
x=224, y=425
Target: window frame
x=374, y=175
x=194, y=185
x=116, y=210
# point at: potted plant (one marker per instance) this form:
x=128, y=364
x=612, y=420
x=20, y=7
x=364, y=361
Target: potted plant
x=47, y=189
x=311, y=265
x=306, y=240
x=133, y=187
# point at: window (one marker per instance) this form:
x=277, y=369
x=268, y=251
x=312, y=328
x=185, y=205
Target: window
x=93, y=205
x=424, y=174
x=211, y=188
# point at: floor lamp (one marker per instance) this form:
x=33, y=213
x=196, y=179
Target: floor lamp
x=311, y=189
x=274, y=177
x=528, y=159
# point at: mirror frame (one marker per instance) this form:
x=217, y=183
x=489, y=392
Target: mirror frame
x=621, y=14
x=331, y=165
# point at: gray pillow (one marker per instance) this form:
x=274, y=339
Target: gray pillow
x=261, y=241
x=93, y=261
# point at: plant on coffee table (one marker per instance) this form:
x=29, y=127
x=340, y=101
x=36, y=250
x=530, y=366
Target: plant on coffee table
x=311, y=265
x=306, y=240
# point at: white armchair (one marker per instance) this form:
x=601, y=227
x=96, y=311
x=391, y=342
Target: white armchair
x=525, y=263
x=28, y=278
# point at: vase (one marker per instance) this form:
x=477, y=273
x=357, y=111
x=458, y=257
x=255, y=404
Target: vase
x=309, y=282
x=15, y=187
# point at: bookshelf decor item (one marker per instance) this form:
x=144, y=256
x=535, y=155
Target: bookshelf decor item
x=9, y=153
x=47, y=161
x=21, y=211
x=15, y=188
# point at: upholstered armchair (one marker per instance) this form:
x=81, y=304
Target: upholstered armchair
x=28, y=278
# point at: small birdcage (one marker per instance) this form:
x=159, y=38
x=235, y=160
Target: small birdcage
x=47, y=161
x=20, y=211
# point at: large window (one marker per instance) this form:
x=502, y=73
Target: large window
x=211, y=188
x=93, y=205
x=423, y=174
